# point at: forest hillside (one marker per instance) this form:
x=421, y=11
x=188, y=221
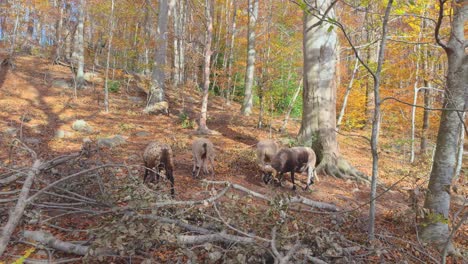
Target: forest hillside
x=180, y=131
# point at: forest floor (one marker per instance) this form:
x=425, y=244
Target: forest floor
x=35, y=109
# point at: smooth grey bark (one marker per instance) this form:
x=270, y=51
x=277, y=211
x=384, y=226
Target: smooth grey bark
x=202, y=127
x=179, y=20
x=461, y=141
x=435, y=229
x=415, y=93
x=58, y=33
x=264, y=79
x=348, y=91
x=156, y=93
x=109, y=49
x=376, y=122
x=231, y=53
x=318, y=126
x=79, y=45
x=250, y=69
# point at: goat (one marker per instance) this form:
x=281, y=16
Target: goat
x=297, y=159
x=203, y=153
x=157, y=157
x=266, y=150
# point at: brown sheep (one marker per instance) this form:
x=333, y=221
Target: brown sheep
x=266, y=150
x=158, y=157
x=203, y=153
x=297, y=159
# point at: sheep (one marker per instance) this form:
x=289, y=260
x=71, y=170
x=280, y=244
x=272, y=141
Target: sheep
x=266, y=150
x=296, y=159
x=203, y=153
x=157, y=157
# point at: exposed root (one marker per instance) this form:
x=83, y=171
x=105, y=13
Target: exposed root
x=340, y=168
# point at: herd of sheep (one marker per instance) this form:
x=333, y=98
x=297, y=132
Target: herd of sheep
x=272, y=160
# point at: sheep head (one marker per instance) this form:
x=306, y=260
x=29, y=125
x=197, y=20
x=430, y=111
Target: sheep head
x=268, y=173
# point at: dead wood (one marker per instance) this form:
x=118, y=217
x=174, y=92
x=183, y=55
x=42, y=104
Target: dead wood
x=291, y=200
x=55, y=243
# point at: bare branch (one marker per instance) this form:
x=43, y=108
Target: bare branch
x=16, y=215
x=439, y=23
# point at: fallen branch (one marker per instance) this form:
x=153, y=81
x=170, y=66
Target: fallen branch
x=50, y=241
x=292, y=200
x=16, y=215
x=218, y=237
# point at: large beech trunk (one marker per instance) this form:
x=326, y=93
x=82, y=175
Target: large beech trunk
x=435, y=228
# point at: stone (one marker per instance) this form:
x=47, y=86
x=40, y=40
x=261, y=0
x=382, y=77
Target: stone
x=31, y=141
x=136, y=99
x=11, y=131
x=111, y=141
x=142, y=134
x=92, y=77
x=82, y=126
x=61, y=83
x=63, y=134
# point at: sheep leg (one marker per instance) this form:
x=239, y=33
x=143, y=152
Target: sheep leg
x=170, y=176
x=198, y=168
x=310, y=177
x=146, y=174
x=292, y=179
x=212, y=167
x=194, y=168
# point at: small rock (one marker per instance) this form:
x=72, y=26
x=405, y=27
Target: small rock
x=11, y=131
x=82, y=126
x=142, y=134
x=61, y=83
x=136, y=99
x=111, y=142
x=92, y=77
x=41, y=252
x=63, y=134
x=32, y=141
x=215, y=256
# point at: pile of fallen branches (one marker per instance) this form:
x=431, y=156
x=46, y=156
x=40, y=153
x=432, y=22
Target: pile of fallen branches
x=76, y=204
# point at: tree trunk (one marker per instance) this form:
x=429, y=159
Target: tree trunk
x=425, y=126
x=79, y=45
x=231, y=53
x=348, y=91
x=461, y=141
x=318, y=126
x=179, y=44
x=156, y=95
x=376, y=122
x=435, y=228
x=58, y=34
x=427, y=101
x=250, y=70
x=202, y=127
x=109, y=48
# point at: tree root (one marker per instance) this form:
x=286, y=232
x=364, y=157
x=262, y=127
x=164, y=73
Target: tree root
x=340, y=168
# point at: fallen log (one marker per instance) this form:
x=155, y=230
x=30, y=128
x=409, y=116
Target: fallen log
x=55, y=243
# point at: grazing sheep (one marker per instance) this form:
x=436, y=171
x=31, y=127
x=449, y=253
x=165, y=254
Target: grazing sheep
x=203, y=152
x=266, y=150
x=297, y=159
x=307, y=157
x=158, y=157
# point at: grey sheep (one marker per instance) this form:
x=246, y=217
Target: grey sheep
x=203, y=153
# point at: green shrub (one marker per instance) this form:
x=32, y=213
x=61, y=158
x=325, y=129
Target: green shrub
x=185, y=121
x=113, y=86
